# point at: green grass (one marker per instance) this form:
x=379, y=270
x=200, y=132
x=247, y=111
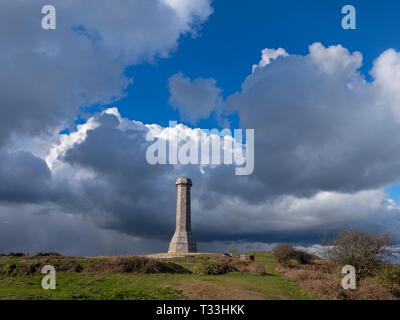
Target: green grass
x=109, y=285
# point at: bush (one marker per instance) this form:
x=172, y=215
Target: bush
x=47, y=254
x=212, y=268
x=220, y=266
x=28, y=269
x=66, y=265
x=328, y=286
x=302, y=257
x=283, y=252
x=16, y=254
x=389, y=277
x=362, y=250
x=134, y=264
x=256, y=268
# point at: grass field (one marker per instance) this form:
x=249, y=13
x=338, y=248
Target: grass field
x=116, y=285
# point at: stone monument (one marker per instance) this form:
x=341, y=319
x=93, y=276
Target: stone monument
x=182, y=240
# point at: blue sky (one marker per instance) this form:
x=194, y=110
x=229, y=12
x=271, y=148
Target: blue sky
x=231, y=40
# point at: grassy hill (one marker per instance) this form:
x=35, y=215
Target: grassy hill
x=174, y=278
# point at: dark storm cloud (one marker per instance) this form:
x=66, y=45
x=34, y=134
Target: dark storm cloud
x=24, y=177
x=45, y=76
x=41, y=228
x=109, y=183
x=128, y=194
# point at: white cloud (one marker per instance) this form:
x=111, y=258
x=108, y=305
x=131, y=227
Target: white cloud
x=335, y=59
x=267, y=55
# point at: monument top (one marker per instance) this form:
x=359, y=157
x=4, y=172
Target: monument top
x=184, y=180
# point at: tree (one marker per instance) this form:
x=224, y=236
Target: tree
x=283, y=252
x=362, y=250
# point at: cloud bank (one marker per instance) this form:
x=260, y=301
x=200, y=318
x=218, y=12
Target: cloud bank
x=326, y=139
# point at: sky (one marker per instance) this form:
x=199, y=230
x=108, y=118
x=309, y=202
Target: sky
x=77, y=103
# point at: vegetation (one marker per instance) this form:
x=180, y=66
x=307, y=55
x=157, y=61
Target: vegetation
x=47, y=254
x=286, y=273
x=209, y=276
x=367, y=252
x=362, y=250
x=285, y=252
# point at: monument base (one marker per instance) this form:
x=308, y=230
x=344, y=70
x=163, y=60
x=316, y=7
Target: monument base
x=182, y=242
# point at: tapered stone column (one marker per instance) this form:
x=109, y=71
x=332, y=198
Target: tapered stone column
x=183, y=241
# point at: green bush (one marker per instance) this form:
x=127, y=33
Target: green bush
x=389, y=276
x=221, y=266
x=134, y=264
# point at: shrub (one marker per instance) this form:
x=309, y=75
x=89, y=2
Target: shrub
x=316, y=282
x=134, y=264
x=328, y=286
x=229, y=264
x=302, y=257
x=17, y=254
x=283, y=252
x=47, y=254
x=256, y=268
x=212, y=268
x=389, y=277
x=220, y=266
x=362, y=250
x=27, y=269
x=368, y=289
x=66, y=265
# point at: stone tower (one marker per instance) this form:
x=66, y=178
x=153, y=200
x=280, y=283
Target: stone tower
x=183, y=241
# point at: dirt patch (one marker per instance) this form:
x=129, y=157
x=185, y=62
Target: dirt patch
x=200, y=290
